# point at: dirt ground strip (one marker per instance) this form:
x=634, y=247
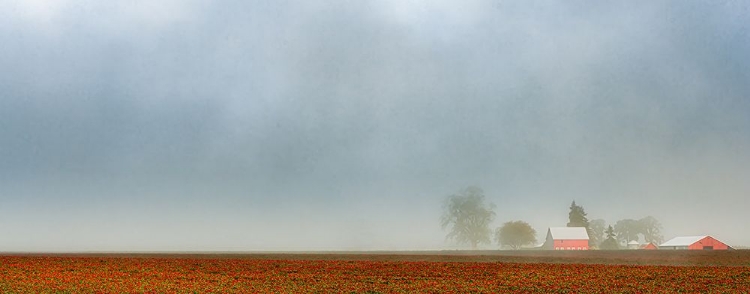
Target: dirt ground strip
x=618, y=257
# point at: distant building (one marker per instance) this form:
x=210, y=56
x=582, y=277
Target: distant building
x=695, y=243
x=634, y=244
x=650, y=246
x=565, y=238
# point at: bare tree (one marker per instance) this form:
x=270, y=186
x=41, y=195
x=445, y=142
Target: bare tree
x=630, y=229
x=627, y=230
x=651, y=229
x=596, y=232
x=468, y=217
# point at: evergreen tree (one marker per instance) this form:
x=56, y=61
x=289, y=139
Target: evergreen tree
x=611, y=242
x=610, y=233
x=577, y=218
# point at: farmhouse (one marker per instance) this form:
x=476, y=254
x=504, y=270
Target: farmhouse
x=564, y=238
x=695, y=243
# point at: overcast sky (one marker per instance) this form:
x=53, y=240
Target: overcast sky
x=296, y=125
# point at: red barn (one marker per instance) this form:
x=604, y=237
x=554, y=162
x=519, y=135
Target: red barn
x=564, y=238
x=695, y=243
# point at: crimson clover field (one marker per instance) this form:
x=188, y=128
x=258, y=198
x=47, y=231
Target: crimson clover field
x=385, y=272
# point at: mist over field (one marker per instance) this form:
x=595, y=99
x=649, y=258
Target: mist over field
x=344, y=125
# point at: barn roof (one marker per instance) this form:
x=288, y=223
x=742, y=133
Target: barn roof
x=683, y=241
x=566, y=233
x=634, y=242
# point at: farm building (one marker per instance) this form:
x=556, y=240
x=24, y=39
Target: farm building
x=650, y=246
x=634, y=245
x=565, y=238
x=695, y=243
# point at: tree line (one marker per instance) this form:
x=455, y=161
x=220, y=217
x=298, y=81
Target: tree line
x=603, y=236
x=468, y=218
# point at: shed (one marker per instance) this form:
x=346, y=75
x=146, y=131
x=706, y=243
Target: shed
x=695, y=243
x=567, y=238
x=634, y=244
x=650, y=246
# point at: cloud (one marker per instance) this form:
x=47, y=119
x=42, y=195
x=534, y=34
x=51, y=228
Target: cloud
x=325, y=109
x=58, y=19
x=38, y=10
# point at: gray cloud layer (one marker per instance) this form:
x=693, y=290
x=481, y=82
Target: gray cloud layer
x=343, y=125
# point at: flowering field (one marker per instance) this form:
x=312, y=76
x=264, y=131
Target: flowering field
x=358, y=274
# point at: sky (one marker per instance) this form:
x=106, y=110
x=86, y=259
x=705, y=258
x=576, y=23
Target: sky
x=343, y=125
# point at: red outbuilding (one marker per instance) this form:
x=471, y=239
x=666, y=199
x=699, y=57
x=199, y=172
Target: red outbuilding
x=565, y=238
x=650, y=246
x=695, y=243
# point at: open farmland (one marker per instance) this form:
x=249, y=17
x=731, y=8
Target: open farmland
x=387, y=272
